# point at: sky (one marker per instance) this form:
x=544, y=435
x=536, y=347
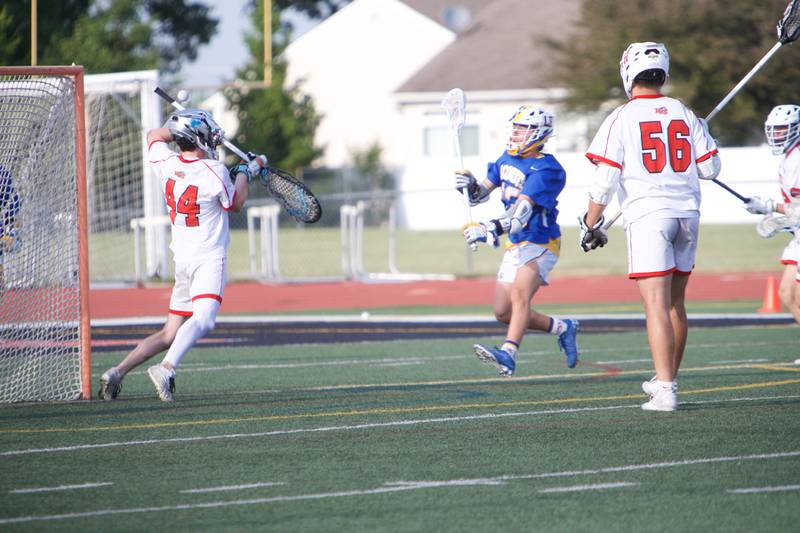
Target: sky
x=217, y=61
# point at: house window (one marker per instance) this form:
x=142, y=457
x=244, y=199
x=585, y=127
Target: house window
x=437, y=141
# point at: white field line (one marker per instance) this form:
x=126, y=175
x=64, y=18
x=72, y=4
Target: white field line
x=757, y=490
x=60, y=487
x=225, y=488
x=596, y=486
x=397, y=486
x=355, y=427
x=734, y=361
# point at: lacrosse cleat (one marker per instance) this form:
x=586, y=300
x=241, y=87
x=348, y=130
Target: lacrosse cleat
x=568, y=343
x=664, y=399
x=501, y=359
x=110, y=384
x=164, y=380
x=650, y=386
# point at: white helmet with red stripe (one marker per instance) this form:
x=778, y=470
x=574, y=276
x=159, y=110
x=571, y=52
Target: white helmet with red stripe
x=638, y=58
x=782, y=128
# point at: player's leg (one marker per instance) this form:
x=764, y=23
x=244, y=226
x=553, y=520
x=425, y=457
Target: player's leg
x=180, y=308
x=679, y=320
x=651, y=262
x=788, y=290
x=207, y=290
x=685, y=249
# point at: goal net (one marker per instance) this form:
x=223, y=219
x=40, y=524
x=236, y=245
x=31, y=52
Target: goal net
x=44, y=319
x=120, y=109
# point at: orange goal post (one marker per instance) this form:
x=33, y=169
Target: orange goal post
x=45, y=348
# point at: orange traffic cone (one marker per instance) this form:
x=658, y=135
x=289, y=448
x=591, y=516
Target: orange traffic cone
x=772, y=302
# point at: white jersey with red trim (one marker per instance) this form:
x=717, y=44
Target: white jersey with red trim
x=656, y=142
x=789, y=175
x=198, y=193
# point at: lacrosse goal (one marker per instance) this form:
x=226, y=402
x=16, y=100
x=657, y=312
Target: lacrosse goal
x=44, y=284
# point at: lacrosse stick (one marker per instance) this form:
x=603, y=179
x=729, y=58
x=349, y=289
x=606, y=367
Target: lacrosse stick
x=772, y=224
x=294, y=196
x=788, y=30
x=455, y=104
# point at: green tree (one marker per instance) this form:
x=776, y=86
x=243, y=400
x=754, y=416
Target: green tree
x=712, y=45
x=278, y=120
x=107, y=35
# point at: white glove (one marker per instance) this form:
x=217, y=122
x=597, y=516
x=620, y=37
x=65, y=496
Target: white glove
x=465, y=180
x=481, y=232
x=256, y=163
x=760, y=206
x=594, y=237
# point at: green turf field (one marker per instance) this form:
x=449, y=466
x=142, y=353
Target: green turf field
x=420, y=436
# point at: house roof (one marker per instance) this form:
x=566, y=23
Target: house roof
x=500, y=49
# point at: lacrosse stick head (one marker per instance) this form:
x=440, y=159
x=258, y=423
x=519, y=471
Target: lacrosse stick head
x=782, y=128
x=789, y=26
x=771, y=225
x=638, y=58
x=455, y=104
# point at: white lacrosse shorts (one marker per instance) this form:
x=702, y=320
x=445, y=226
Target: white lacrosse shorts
x=791, y=256
x=201, y=279
x=522, y=254
x=661, y=246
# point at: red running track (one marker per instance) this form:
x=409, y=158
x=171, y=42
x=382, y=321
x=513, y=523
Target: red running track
x=268, y=298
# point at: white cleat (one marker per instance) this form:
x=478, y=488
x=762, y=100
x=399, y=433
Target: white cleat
x=797, y=361
x=664, y=399
x=110, y=384
x=650, y=387
x=164, y=380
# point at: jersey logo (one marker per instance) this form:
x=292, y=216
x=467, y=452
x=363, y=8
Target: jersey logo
x=661, y=111
x=180, y=174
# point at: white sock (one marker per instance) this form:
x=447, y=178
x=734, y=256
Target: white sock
x=557, y=326
x=204, y=316
x=510, y=347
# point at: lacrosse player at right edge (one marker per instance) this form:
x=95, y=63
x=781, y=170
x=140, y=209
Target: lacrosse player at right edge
x=653, y=149
x=531, y=182
x=782, y=130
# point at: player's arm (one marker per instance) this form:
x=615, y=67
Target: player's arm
x=604, y=185
x=242, y=174
x=512, y=221
x=159, y=134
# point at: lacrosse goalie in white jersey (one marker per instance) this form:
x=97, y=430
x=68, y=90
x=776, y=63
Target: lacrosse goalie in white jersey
x=199, y=192
x=782, y=130
x=651, y=152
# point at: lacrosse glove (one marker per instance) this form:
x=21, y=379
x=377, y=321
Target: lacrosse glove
x=594, y=237
x=760, y=206
x=465, y=180
x=9, y=241
x=487, y=232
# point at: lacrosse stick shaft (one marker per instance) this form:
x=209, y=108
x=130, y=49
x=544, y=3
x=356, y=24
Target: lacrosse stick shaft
x=743, y=82
x=174, y=103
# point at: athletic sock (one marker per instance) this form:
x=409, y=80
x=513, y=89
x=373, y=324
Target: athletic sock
x=557, y=326
x=510, y=347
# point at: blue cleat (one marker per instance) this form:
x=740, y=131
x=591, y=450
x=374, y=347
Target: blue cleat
x=503, y=360
x=568, y=343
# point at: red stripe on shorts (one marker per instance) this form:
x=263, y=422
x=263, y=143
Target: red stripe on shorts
x=636, y=275
x=216, y=297
x=180, y=313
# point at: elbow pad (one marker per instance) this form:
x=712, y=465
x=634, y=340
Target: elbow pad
x=516, y=218
x=709, y=168
x=604, y=184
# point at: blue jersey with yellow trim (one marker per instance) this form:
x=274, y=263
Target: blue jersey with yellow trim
x=540, y=178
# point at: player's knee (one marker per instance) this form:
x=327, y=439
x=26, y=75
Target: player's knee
x=204, y=323
x=787, y=295
x=503, y=315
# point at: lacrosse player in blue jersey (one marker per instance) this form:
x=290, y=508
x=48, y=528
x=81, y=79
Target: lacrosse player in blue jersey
x=9, y=227
x=530, y=182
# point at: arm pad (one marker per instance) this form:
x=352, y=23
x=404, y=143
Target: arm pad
x=709, y=169
x=516, y=218
x=604, y=183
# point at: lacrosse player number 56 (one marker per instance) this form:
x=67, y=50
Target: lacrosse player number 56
x=654, y=151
